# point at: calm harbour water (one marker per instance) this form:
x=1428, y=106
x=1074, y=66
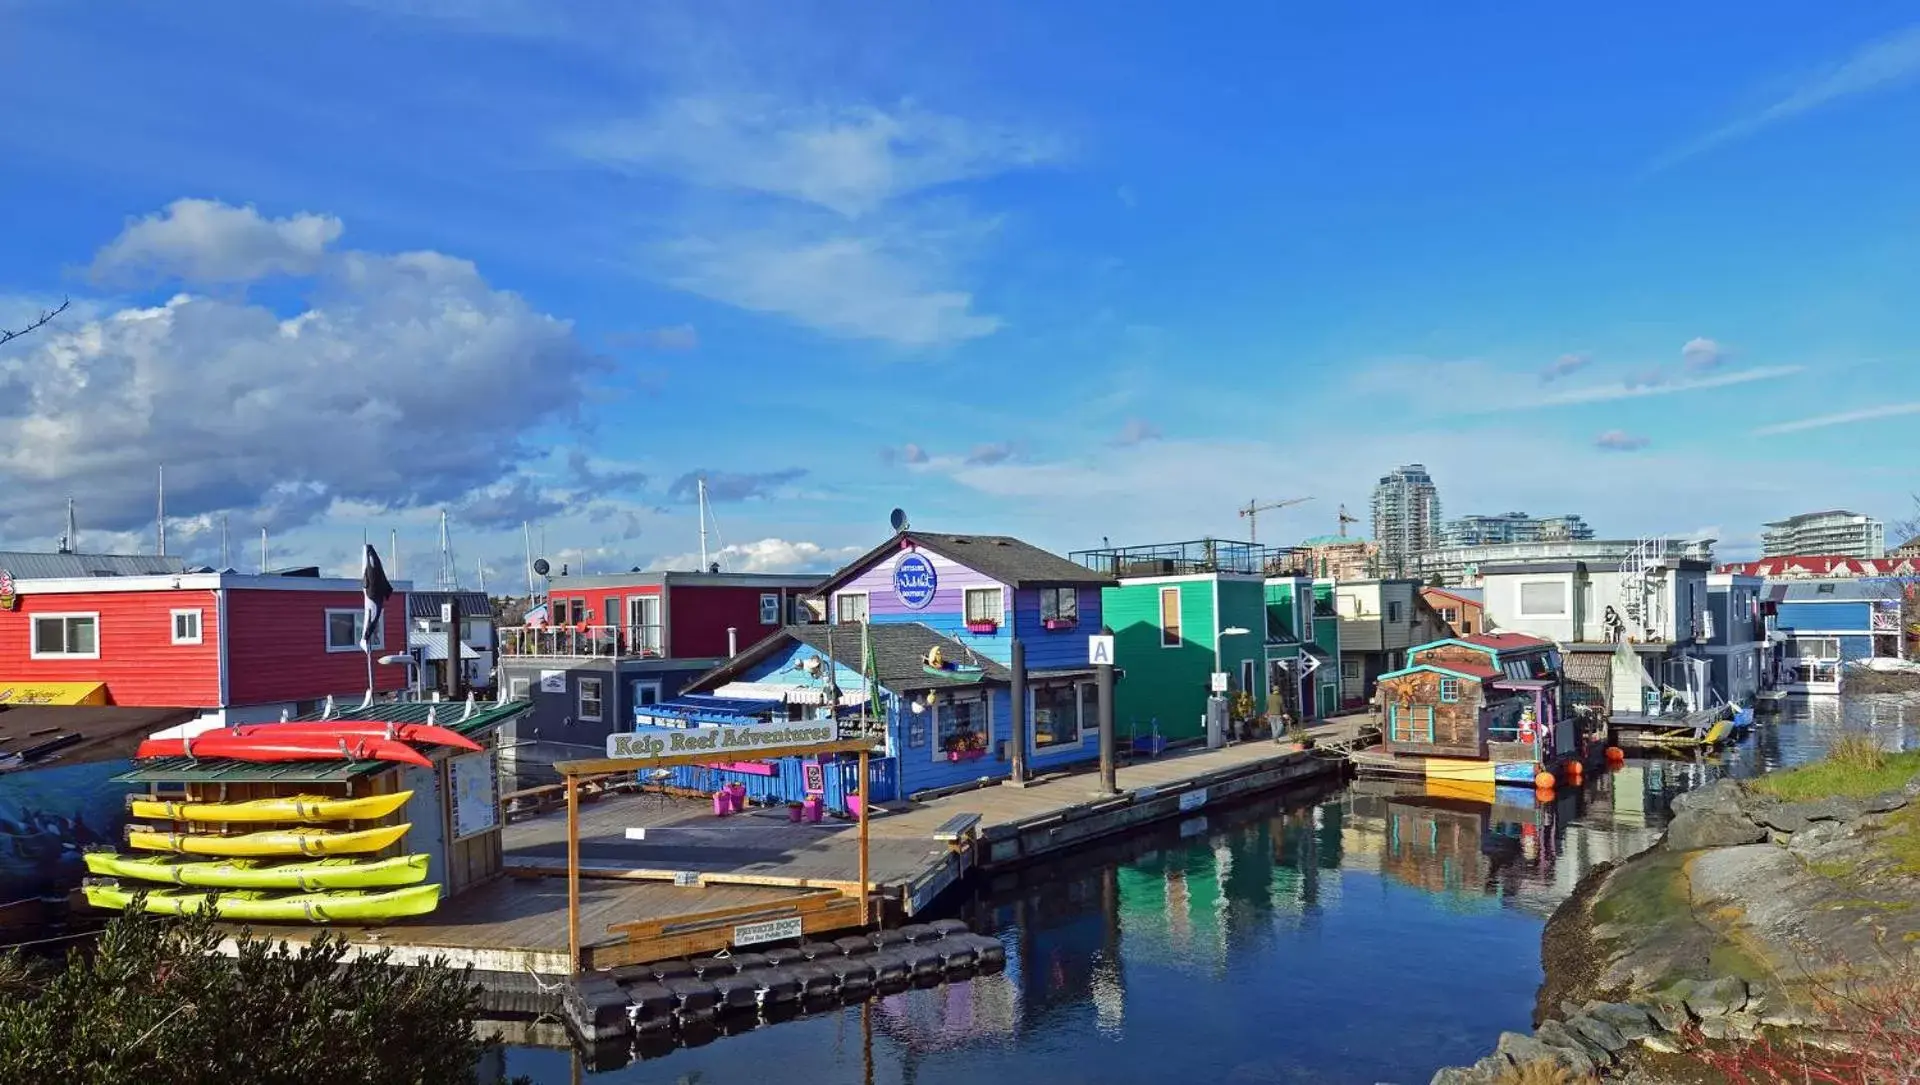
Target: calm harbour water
x=1373, y=934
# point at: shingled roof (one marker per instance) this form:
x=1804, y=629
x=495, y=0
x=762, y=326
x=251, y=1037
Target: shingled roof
x=899, y=655
x=1004, y=558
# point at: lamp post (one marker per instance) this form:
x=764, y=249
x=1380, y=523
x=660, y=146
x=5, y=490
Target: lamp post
x=411, y=663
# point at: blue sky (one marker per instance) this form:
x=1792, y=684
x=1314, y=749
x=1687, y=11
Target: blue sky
x=1067, y=271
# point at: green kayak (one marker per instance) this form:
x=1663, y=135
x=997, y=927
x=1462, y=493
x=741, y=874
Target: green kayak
x=307, y=874
x=342, y=906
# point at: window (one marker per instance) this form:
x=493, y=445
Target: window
x=590, y=707
x=1060, y=605
x=962, y=730
x=186, y=627
x=343, y=631
x=983, y=605
x=801, y=613
x=1056, y=716
x=610, y=610
x=1449, y=615
x=646, y=693
x=850, y=607
x=1449, y=691
x=1393, y=610
x=1170, y=617
x=519, y=689
x=1247, y=677
x=1543, y=598
x=1350, y=670
x=769, y=608
x=73, y=635
x=562, y=612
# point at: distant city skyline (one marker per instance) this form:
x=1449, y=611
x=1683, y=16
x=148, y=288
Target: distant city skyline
x=340, y=267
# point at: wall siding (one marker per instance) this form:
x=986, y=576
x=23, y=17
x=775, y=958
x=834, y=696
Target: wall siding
x=277, y=646
x=700, y=616
x=1164, y=687
x=138, y=661
x=1826, y=617
x=1056, y=648
x=1456, y=727
x=945, y=614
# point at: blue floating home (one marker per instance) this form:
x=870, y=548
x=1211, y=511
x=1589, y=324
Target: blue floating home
x=923, y=634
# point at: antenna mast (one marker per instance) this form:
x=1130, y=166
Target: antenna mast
x=226, y=562
x=263, y=551
x=703, y=522
x=70, y=542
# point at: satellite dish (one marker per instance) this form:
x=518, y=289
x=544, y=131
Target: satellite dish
x=540, y=567
x=898, y=519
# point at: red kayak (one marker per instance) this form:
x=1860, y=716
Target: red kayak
x=222, y=742
x=405, y=732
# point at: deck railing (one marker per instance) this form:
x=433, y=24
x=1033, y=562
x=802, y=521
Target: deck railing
x=607, y=641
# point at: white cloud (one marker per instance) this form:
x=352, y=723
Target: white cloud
x=1701, y=353
x=407, y=385
x=1867, y=414
x=1473, y=387
x=850, y=159
x=861, y=287
x=1138, y=431
x=1881, y=65
x=769, y=556
x=1619, y=440
x=1565, y=365
x=205, y=241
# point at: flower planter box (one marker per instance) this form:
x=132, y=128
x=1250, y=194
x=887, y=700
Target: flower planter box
x=1060, y=623
x=983, y=627
x=965, y=755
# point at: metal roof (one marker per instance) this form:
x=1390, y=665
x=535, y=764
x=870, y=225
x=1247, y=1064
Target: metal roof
x=1834, y=591
x=27, y=565
x=426, y=604
x=217, y=770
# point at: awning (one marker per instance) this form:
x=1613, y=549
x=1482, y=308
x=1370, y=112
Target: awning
x=773, y=691
x=433, y=646
x=54, y=693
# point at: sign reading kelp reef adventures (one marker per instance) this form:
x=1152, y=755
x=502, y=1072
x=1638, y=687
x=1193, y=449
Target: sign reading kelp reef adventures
x=669, y=741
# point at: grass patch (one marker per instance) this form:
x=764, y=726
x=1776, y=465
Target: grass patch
x=1899, y=840
x=1854, y=768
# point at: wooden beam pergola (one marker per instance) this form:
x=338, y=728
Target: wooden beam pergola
x=572, y=771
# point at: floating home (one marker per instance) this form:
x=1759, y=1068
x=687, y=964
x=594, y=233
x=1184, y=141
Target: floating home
x=1184, y=612
x=1825, y=624
x=1483, y=710
x=932, y=634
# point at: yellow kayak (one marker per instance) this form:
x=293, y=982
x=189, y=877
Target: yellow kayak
x=270, y=842
x=306, y=874
x=345, y=906
x=287, y=808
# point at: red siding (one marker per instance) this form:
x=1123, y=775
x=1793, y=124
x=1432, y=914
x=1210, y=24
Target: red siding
x=277, y=647
x=698, y=617
x=139, y=662
x=596, y=600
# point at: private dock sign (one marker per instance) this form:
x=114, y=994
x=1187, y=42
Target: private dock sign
x=774, y=930
x=669, y=741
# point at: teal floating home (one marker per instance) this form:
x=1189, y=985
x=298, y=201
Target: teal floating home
x=931, y=635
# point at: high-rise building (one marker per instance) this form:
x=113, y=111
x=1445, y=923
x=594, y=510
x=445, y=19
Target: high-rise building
x=1513, y=527
x=1834, y=533
x=1406, y=516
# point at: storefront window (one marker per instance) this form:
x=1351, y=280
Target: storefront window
x=963, y=730
x=1056, y=715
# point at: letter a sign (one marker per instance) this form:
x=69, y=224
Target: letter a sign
x=1100, y=651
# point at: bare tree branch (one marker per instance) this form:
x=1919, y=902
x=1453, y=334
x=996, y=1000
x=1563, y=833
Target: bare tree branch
x=8, y=335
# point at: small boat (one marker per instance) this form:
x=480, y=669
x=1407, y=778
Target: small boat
x=960, y=671
x=225, y=743
x=1685, y=737
x=404, y=732
x=336, y=907
x=287, y=808
x=306, y=874
x=271, y=842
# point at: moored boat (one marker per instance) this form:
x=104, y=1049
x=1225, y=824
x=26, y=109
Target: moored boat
x=228, y=744
x=269, y=843
x=334, y=907
x=306, y=874
x=286, y=808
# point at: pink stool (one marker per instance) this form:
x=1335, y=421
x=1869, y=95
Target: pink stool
x=812, y=808
x=722, y=803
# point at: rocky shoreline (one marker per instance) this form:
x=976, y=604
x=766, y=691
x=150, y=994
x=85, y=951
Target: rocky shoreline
x=1721, y=933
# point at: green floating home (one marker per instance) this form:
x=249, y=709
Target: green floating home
x=1184, y=612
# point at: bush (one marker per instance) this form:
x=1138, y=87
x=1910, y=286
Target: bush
x=152, y=1001
x=1872, y=1038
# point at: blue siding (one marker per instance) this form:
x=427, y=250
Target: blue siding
x=790, y=782
x=1833, y=617
x=1054, y=648
x=920, y=772
x=1856, y=648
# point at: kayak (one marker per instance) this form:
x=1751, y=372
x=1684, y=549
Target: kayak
x=222, y=742
x=307, y=874
x=285, y=808
x=343, y=906
x=271, y=842
x=405, y=732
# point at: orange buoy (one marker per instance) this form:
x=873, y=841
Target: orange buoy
x=1615, y=754
x=1543, y=781
x=1575, y=770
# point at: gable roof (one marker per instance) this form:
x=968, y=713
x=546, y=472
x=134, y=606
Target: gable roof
x=26, y=565
x=1507, y=642
x=1456, y=669
x=1002, y=557
x=426, y=604
x=899, y=652
x=1456, y=594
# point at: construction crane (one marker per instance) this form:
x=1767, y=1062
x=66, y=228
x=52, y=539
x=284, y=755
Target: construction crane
x=1254, y=509
x=1345, y=520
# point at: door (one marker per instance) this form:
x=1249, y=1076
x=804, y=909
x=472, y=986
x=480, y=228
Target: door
x=643, y=625
x=644, y=694
x=425, y=813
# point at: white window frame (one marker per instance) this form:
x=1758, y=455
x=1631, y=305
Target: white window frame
x=378, y=640
x=839, y=604
x=999, y=608
x=986, y=714
x=599, y=700
x=769, y=608
x=1350, y=670
x=1179, y=616
x=519, y=689
x=1520, y=599
x=1450, y=615
x=640, y=689
x=33, y=635
x=173, y=625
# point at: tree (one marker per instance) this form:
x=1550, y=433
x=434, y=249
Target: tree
x=8, y=335
x=154, y=1001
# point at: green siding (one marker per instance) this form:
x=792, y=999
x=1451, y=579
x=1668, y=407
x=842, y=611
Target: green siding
x=1243, y=606
x=1168, y=685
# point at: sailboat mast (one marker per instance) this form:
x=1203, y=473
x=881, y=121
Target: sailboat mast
x=226, y=561
x=162, y=518
x=703, y=522
x=526, y=532
x=263, y=551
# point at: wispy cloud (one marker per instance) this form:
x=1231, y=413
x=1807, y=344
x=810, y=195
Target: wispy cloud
x=1700, y=354
x=1633, y=389
x=910, y=454
x=1619, y=440
x=1565, y=365
x=1881, y=65
x=1866, y=414
x=1137, y=431
x=1472, y=387
x=989, y=454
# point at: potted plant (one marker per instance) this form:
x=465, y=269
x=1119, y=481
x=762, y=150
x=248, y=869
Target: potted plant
x=1059, y=623
x=982, y=625
x=1300, y=738
x=794, y=811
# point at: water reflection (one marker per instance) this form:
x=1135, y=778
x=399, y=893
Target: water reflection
x=1261, y=944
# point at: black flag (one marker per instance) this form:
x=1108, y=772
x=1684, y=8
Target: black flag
x=376, y=589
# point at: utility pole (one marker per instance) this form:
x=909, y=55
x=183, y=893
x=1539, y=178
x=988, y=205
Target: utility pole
x=1253, y=509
